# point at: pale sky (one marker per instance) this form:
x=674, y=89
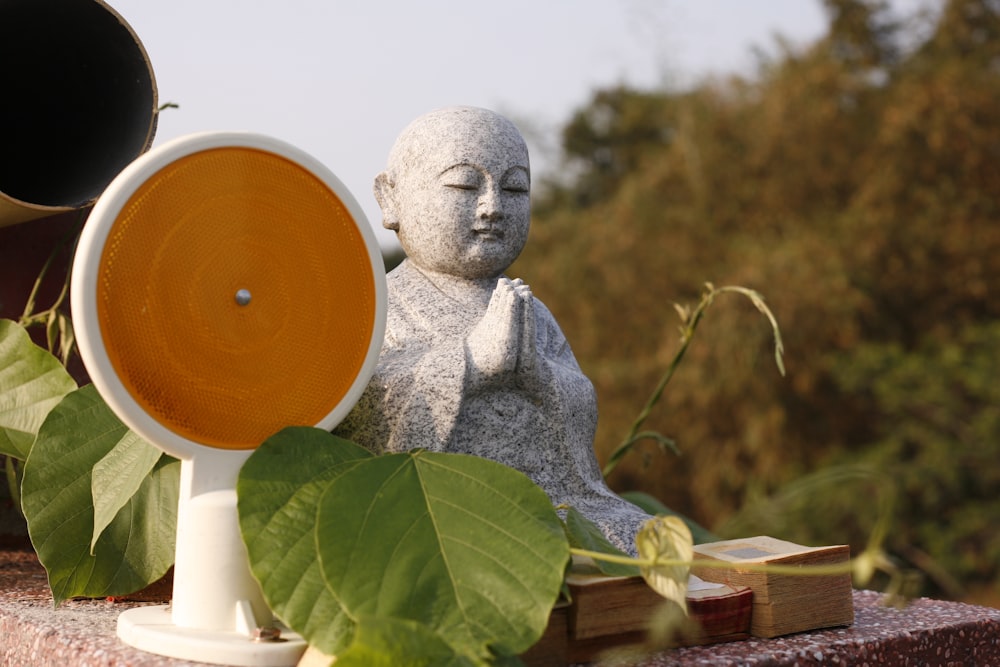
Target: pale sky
x=340, y=78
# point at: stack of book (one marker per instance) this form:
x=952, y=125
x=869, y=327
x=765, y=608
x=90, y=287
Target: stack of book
x=783, y=603
x=723, y=604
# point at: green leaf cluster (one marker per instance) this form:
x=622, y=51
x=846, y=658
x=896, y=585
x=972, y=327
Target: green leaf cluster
x=415, y=558
x=100, y=502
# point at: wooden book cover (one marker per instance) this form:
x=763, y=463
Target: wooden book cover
x=783, y=603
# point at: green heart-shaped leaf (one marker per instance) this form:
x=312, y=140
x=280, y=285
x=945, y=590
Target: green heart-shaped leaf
x=441, y=557
x=137, y=546
x=278, y=495
x=466, y=546
x=32, y=382
x=666, y=541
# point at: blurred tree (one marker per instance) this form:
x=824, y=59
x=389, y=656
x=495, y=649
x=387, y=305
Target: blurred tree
x=862, y=34
x=856, y=185
x=605, y=140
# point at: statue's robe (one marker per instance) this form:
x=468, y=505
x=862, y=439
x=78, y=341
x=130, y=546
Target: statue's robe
x=425, y=394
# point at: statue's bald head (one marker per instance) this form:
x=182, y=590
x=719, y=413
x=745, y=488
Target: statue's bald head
x=456, y=192
x=446, y=131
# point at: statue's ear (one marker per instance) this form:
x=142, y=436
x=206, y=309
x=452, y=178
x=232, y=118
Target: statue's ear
x=386, y=199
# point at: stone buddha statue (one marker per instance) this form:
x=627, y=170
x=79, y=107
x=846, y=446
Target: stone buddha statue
x=472, y=362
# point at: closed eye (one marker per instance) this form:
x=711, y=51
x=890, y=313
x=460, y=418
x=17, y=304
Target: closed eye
x=461, y=177
x=517, y=180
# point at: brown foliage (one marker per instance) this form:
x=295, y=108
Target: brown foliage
x=855, y=185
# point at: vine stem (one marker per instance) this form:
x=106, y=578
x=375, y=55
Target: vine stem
x=821, y=570
x=51, y=317
x=29, y=317
x=689, y=320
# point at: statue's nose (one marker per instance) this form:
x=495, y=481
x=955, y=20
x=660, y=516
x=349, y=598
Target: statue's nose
x=490, y=205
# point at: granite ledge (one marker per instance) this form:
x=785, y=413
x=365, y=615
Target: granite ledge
x=927, y=632
x=924, y=633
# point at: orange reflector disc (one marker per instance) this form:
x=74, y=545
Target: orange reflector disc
x=232, y=293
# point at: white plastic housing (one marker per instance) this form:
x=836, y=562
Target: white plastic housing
x=217, y=605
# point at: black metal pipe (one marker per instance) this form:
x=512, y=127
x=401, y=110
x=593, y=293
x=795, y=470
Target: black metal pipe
x=77, y=104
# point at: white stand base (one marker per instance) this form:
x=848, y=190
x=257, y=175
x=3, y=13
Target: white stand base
x=152, y=629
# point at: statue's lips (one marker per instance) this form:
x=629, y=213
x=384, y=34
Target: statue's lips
x=489, y=234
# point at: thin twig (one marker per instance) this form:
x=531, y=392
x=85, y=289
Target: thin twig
x=689, y=320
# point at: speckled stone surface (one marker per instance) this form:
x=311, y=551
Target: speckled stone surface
x=81, y=633
x=472, y=362
x=925, y=633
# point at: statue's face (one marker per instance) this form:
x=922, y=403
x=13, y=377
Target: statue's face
x=462, y=195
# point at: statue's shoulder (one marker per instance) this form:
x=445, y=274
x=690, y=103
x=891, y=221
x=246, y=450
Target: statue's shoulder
x=402, y=274
x=404, y=284
x=414, y=310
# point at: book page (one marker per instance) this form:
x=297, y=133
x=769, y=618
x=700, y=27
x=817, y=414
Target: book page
x=699, y=584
